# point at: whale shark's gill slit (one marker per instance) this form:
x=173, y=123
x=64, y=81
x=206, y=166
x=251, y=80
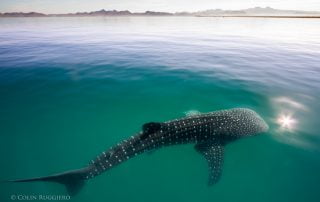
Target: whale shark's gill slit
x=213, y=153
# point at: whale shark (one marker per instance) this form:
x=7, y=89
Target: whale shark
x=209, y=132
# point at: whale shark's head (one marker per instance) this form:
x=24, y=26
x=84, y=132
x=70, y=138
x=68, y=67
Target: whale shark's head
x=246, y=122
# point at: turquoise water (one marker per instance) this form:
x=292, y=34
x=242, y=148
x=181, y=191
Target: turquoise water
x=72, y=87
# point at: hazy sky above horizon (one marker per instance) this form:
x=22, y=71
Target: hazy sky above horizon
x=65, y=6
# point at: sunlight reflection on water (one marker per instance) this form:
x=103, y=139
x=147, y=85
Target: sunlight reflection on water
x=290, y=125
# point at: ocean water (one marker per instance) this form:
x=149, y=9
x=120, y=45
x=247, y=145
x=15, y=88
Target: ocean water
x=71, y=88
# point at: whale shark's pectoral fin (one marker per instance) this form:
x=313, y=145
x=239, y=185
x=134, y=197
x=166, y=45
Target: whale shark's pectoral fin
x=213, y=153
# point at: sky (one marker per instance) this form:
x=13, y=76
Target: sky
x=66, y=6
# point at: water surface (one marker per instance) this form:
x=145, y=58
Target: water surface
x=72, y=87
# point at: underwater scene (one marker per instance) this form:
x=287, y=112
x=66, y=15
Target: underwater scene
x=74, y=87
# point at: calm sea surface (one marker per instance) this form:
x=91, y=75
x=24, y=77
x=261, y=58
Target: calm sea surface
x=72, y=87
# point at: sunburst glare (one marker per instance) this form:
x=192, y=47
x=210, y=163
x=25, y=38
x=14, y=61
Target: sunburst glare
x=286, y=122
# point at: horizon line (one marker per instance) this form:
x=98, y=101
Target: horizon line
x=103, y=9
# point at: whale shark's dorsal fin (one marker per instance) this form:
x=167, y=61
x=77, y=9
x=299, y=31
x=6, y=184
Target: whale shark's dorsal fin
x=150, y=128
x=213, y=153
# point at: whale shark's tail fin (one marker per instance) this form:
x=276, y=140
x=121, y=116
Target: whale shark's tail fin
x=73, y=180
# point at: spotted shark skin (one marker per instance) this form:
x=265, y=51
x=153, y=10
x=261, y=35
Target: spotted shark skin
x=210, y=132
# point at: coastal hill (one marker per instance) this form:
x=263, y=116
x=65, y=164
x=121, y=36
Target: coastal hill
x=257, y=11
x=20, y=14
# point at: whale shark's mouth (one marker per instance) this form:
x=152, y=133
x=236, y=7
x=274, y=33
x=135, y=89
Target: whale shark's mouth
x=264, y=126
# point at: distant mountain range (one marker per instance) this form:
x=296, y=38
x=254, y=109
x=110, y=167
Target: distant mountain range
x=93, y=13
x=257, y=11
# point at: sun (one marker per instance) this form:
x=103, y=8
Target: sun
x=286, y=122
